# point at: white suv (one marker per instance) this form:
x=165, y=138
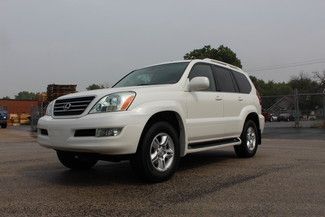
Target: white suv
x=155, y=115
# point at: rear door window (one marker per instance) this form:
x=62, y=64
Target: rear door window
x=242, y=82
x=224, y=79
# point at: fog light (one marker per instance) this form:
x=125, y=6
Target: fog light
x=101, y=132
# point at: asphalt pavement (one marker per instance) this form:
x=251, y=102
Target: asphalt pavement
x=285, y=178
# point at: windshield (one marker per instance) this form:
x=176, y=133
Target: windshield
x=169, y=73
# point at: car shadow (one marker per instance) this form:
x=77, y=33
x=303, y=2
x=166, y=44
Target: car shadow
x=107, y=173
x=201, y=159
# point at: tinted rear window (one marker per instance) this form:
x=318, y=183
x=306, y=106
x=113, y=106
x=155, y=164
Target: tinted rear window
x=242, y=82
x=224, y=79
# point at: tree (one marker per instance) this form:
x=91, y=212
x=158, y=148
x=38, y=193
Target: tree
x=304, y=84
x=222, y=53
x=320, y=78
x=95, y=87
x=25, y=95
x=271, y=88
x=6, y=97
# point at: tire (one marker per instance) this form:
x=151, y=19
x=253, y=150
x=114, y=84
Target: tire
x=158, y=153
x=4, y=125
x=75, y=161
x=249, y=138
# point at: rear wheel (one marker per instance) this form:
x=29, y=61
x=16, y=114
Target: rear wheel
x=157, y=156
x=249, y=138
x=76, y=160
x=4, y=125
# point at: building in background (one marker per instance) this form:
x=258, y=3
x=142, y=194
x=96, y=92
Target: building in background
x=56, y=90
x=29, y=111
x=53, y=92
x=19, y=111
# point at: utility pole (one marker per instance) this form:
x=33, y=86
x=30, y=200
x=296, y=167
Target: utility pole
x=296, y=101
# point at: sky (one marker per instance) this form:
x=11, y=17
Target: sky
x=98, y=41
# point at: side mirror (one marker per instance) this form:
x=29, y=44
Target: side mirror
x=199, y=84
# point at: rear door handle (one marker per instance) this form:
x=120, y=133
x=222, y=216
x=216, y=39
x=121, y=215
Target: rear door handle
x=240, y=99
x=218, y=98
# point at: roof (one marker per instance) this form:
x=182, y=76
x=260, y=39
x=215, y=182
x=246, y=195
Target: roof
x=222, y=63
x=206, y=60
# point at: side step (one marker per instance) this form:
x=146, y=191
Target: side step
x=215, y=143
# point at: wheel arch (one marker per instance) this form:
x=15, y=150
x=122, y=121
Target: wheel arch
x=172, y=117
x=254, y=117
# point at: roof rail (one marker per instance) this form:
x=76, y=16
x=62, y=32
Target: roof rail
x=222, y=63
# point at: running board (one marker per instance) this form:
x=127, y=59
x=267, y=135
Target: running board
x=215, y=143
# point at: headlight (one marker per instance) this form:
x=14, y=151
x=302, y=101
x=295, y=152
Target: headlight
x=49, y=109
x=114, y=102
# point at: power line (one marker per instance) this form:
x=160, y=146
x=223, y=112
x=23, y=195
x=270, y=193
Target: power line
x=296, y=64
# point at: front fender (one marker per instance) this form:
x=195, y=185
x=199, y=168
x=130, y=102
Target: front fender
x=152, y=108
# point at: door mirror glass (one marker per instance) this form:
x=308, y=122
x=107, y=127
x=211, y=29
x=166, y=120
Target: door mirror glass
x=199, y=84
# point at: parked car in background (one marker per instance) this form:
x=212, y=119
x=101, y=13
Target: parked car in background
x=3, y=118
x=312, y=116
x=270, y=117
x=156, y=115
x=273, y=117
x=286, y=117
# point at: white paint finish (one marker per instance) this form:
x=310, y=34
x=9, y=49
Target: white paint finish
x=205, y=115
x=234, y=105
x=199, y=84
x=213, y=147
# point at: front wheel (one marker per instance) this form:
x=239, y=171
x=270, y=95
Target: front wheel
x=4, y=125
x=158, y=153
x=249, y=138
x=76, y=161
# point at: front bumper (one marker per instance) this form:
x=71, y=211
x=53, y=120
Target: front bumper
x=61, y=133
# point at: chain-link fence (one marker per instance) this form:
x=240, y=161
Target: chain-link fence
x=296, y=107
x=37, y=113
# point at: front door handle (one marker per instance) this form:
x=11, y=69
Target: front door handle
x=240, y=99
x=218, y=98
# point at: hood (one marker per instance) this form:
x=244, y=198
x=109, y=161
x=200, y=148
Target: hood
x=103, y=92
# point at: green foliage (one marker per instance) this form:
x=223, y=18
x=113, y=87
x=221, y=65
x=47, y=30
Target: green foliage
x=95, y=87
x=303, y=83
x=222, y=53
x=25, y=95
x=320, y=78
x=271, y=88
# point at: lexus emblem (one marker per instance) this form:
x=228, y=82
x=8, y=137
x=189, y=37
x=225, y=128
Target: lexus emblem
x=67, y=106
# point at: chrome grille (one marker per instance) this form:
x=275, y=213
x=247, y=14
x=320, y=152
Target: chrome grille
x=72, y=106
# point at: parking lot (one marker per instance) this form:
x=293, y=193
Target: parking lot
x=285, y=178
